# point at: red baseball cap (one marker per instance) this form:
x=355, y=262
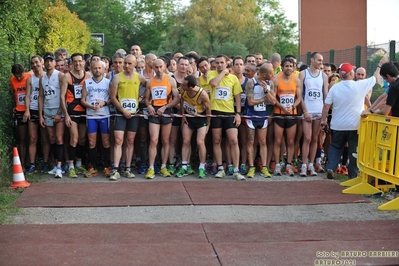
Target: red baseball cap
x=345, y=68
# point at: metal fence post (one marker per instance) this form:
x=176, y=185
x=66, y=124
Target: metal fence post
x=308, y=54
x=392, y=51
x=15, y=58
x=358, y=55
x=332, y=54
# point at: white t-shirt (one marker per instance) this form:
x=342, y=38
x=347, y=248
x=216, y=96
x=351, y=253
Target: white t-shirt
x=347, y=98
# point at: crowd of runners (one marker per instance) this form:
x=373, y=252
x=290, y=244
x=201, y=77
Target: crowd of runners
x=228, y=116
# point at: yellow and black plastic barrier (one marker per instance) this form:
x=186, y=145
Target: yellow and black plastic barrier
x=377, y=157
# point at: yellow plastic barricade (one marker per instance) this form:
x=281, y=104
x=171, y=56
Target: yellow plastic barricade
x=377, y=156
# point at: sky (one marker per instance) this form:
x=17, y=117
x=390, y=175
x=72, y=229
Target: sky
x=382, y=18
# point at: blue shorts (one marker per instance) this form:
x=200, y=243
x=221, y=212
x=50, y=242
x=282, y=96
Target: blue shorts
x=94, y=124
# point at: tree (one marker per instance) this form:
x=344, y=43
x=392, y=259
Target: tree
x=152, y=22
x=62, y=29
x=209, y=23
x=257, y=25
x=105, y=16
x=20, y=22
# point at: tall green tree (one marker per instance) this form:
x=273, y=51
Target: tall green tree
x=152, y=22
x=105, y=16
x=61, y=28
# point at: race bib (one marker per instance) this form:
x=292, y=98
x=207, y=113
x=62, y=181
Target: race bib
x=287, y=99
x=49, y=92
x=78, y=91
x=129, y=104
x=159, y=93
x=34, y=96
x=21, y=98
x=314, y=94
x=189, y=108
x=222, y=93
x=260, y=107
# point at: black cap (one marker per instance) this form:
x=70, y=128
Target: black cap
x=48, y=56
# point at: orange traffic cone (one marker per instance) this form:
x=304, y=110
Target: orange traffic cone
x=18, y=175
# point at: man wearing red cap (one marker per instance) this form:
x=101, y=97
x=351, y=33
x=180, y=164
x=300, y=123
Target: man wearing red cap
x=347, y=98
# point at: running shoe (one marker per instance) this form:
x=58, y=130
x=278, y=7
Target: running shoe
x=181, y=172
x=230, y=170
x=52, y=172
x=72, y=173
x=265, y=172
x=171, y=169
x=81, y=170
x=214, y=169
x=92, y=172
x=107, y=171
x=150, y=173
x=58, y=172
x=44, y=168
x=201, y=173
x=128, y=173
x=319, y=168
x=165, y=172
x=122, y=168
x=142, y=169
x=220, y=174
x=190, y=170
x=311, y=170
x=288, y=170
x=238, y=176
x=344, y=170
x=243, y=169
x=31, y=170
x=330, y=174
x=156, y=169
x=277, y=170
x=294, y=169
x=251, y=172
x=114, y=175
x=303, y=172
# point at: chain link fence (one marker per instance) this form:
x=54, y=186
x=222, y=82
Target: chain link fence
x=359, y=56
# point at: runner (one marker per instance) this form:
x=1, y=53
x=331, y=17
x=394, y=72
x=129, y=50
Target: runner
x=75, y=113
x=161, y=96
x=194, y=101
x=225, y=89
x=50, y=111
x=314, y=88
x=124, y=94
x=257, y=95
x=288, y=96
x=18, y=87
x=32, y=115
x=95, y=98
